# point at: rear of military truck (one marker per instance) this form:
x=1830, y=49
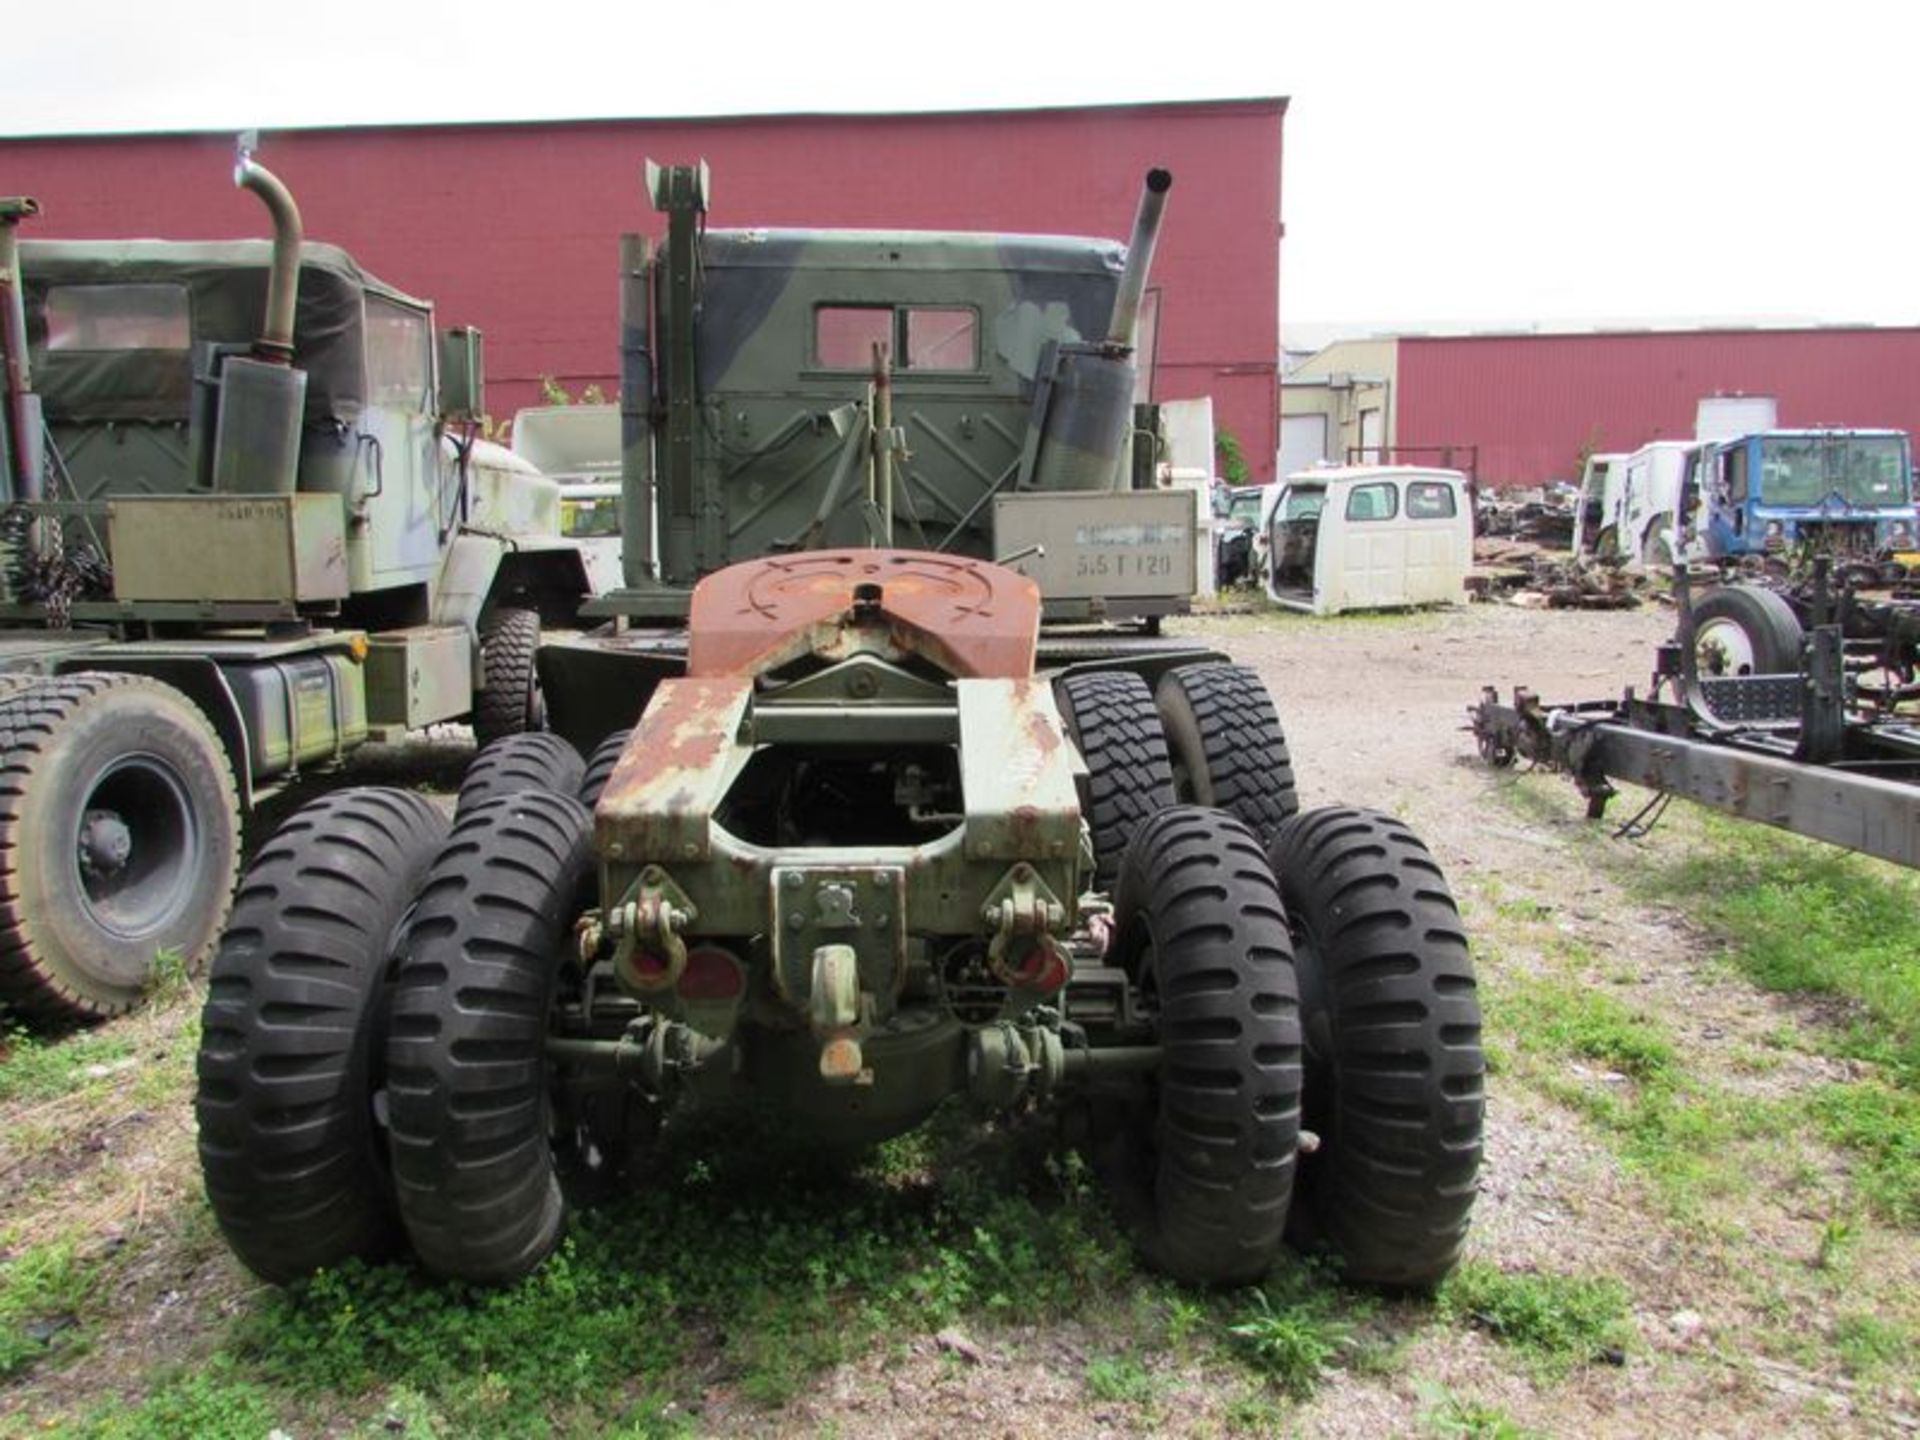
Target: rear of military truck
x=789, y=390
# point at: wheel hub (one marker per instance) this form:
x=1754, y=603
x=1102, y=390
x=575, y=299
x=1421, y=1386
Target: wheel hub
x=1723, y=649
x=106, y=844
x=136, y=847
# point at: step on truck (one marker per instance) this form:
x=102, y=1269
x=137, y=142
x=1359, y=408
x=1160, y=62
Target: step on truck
x=248, y=526
x=859, y=845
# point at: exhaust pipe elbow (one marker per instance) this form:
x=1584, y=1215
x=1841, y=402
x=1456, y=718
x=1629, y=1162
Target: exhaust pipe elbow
x=283, y=285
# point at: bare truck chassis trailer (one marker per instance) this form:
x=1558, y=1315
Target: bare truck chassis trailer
x=1830, y=750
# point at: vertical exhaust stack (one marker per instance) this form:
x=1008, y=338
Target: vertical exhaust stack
x=24, y=455
x=1123, y=327
x=275, y=344
x=1085, y=410
x=261, y=398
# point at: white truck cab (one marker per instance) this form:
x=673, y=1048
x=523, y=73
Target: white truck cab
x=1368, y=537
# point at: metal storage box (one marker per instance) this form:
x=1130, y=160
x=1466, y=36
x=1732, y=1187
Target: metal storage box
x=236, y=549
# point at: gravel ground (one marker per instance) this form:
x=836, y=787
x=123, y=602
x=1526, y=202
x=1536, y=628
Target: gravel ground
x=1375, y=712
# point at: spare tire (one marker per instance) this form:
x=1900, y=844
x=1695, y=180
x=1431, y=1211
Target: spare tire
x=1745, y=630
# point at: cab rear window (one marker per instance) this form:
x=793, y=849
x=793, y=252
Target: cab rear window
x=920, y=339
x=118, y=317
x=1379, y=501
x=1429, y=500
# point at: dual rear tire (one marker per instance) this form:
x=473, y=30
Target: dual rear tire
x=373, y=1058
x=1335, y=1000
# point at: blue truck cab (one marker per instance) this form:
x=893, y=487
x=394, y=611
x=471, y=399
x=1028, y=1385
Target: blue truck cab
x=1848, y=493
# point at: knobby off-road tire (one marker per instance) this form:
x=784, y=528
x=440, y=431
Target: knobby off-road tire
x=509, y=700
x=1396, y=1081
x=468, y=1105
x=536, y=760
x=1204, y=1169
x=292, y=1041
x=1226, y=744
x=600, y=765
x=1745, y=630
x=1111, y=719
x=119, y=838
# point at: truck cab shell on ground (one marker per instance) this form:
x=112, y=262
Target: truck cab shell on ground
x=1848, y=492
x=1368, y=537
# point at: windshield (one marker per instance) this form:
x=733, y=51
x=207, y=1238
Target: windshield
x=1867, y=470
x=1245, y=509
x=587, y=517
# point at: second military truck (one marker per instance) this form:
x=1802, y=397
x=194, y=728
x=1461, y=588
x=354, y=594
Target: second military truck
x=249, y=526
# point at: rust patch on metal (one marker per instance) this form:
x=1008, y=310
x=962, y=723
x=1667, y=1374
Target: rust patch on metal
x=969, y=617
x=660, y=797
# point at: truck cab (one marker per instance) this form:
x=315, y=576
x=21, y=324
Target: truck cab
x=1596, y=520
x=1845, y=493
x=1368, y=537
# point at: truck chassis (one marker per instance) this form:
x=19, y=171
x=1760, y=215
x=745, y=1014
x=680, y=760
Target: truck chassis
x=1824, y=751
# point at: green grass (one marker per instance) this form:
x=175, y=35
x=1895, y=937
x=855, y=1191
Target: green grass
x=1801, y=917
x=1879, y=1127
x=1566, y=1018
x=1119, y=1379
x=208, y=1404
x=1869, y=1345
x=1295, y=1326
x=1456, y=1417
x=742, y=1253
x=1793, y=917
x=36, y=1069
x=1557, y=1319
x=43, y=1292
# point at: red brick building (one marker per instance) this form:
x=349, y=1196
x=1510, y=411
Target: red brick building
x=514, y=227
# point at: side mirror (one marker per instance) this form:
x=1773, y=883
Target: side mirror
x=463, y=374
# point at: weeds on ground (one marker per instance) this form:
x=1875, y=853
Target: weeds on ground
x=39, y=1069
x=1119, y=1379
x=1295, y=1326
x=741, y=1250
x=1879, y=1126
x=1455, y=1417
x=1794, y=915
x=42, y=1292
x=1560, y=1320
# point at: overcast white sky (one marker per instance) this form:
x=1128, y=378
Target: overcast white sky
x=1484, y=162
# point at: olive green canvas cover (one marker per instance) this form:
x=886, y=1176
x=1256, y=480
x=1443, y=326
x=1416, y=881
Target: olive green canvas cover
x=226, y=285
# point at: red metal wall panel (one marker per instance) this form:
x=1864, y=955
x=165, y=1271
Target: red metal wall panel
x=1533, y=403
x=514, y=228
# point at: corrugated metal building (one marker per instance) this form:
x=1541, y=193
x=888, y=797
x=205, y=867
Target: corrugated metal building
x=1527, y=408
x=514, y=227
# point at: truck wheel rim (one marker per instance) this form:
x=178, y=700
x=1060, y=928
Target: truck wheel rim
x=134, y=847
x=1723, y=648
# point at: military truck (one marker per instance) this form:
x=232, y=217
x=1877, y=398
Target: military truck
x=869, y=848
x=966, y=394
x=249, y=526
